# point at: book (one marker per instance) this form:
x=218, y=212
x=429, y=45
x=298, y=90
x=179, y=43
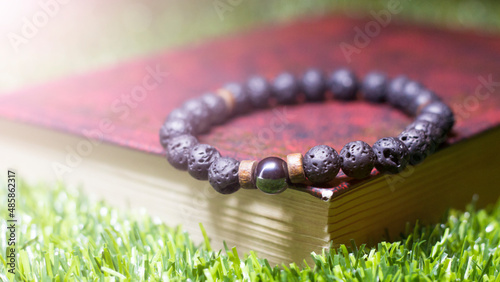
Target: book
x=99, y=130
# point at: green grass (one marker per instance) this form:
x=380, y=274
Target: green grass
x=64, y=236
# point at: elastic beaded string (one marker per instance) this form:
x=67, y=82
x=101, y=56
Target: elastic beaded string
x=321, y=164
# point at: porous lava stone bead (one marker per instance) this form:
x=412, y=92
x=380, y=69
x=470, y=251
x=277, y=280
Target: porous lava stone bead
x=259, y=91
x=314, y=85
x=411, y=90
x=395, y=90
x=242, y=103
x=435, y=119
x=418, y=145
x=180, y=113
x=200, y=159
x=392, y=155
x=178, y=150
x=286, y=88
x=424, y=97
x=374, y=87
x=357, y=159
x=223, y=175
x=172, y=128
x=217, y=108
x=343, y=84
x=321, y=164
x=432, y=131
x=271, y=175
x=199, y=115
x=443, y=111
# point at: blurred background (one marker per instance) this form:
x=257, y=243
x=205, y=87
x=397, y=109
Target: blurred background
x=47, y=39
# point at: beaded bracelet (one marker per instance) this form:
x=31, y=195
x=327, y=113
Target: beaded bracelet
x=321, y=164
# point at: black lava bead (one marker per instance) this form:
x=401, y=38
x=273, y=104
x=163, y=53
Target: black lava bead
x=321, y=164
x=242, y=101
x=271, y=175
x=199, y=115
x=425, y=96
x=343, y=84
x=216, y=107
x=357, y=159
x=178, y=150
x=392, y=155
x=374, y=87
x=172, y=128
x=286, y=88
x=432, y=131
x=443, y=111
x=259, y=91
x=395, y=90
x=314, y=85
x=418, y=144
x=410, y=92
x=435, y=119
x=180, y=113
x=223, y=175
x=200, y=159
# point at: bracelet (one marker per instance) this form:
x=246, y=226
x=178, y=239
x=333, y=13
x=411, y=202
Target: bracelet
x=321, y=164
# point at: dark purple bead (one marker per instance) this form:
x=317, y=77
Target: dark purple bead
x=180, y=113
x=314, y=85
x=200, y=159
x=218, y=111
x=443, y=111
x=199, y=115
x=343, y=84
x=418, y=144
x=357, y=159
x=271, y=175
x=321, y=164
x=395, y=90
x=392, y=155
x=242, y=103
x=410, y=92
x=430, y=129
x=178, y=150
x=172, y=128
x=223, y=175
x=423, y=98
x=259, y=91
x=435, y=119
x=374, y=87
x=286, y=88
x=433, y=132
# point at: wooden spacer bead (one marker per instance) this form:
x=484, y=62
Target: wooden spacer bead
x=228, y=98
x=246, y=174
x=295, y=165
x=419, y=109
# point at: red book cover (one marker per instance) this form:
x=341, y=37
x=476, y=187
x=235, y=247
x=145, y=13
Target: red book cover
x=126, y=104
